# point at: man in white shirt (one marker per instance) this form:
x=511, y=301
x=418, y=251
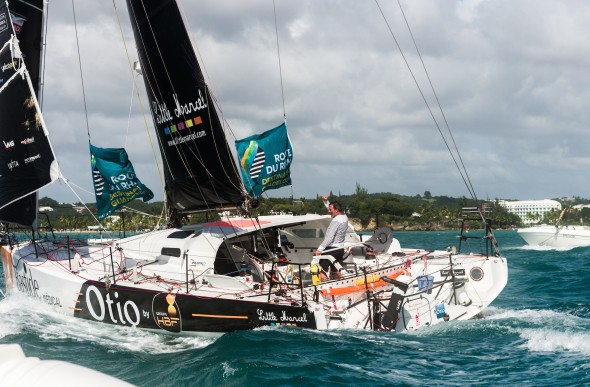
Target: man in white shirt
x=333, y=243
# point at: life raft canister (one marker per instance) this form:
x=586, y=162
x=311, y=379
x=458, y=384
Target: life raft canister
x=370, y=279
x=314, y=269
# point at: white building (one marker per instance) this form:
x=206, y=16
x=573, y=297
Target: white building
x=531, y=211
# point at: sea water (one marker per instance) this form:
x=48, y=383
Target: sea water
x=537, y=332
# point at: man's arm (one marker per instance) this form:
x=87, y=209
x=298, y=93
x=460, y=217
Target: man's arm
x=326, y=201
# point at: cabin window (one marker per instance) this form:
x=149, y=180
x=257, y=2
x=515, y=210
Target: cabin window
x=180, y=234
x=224, y=263
x=170, y=251
x=308, y=232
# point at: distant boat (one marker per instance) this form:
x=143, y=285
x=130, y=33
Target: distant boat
x=559, y=236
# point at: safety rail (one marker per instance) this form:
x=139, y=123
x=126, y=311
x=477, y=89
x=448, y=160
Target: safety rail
x=15, y=233
x=477, y=214
x=275, y=282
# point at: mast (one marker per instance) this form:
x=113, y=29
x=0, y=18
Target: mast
x=200, y=171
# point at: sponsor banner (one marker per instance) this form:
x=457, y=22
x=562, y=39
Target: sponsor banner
x=115, y=182
x=265, y=160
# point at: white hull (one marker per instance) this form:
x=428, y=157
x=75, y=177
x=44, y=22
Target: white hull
x=16, y=369
x=557, y=237
x=191, y=293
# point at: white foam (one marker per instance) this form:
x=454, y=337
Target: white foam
x=546, y=248
x=228, y=370
x=540, y=317
x=547, y=330
x=554, y=340
x=19, y=313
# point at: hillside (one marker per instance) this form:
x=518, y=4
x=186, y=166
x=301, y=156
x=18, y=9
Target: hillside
x=366, y=211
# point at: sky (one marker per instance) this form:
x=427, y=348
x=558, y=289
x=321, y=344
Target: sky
x=511, y=76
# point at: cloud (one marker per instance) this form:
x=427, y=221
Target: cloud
x=511, y=77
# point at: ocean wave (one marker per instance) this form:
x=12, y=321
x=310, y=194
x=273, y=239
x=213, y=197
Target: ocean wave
x=556, y=340
x=542, y=317
x=546, y=248
x=20, y=314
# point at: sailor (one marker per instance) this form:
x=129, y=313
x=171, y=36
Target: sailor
x=333, y=243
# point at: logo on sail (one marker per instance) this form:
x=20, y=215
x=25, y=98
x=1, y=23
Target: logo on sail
x=8, y=144
x=8, y=66
x=3, y=22
x=12, y=164
x=98, y=182
x=32, y=158
x=180, y=127
x=183, y=125
x=254, y=157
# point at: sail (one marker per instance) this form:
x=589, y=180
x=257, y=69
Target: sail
x=27, y=162
x=115, y=182
x=265, y=160
x=200, y=171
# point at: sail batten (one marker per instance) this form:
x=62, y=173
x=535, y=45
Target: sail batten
x=200, y=171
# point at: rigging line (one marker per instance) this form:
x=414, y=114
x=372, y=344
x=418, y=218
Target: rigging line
x=212, y=104
x=472, y=191
x=138, y=95
x=142, y=108
x=81, y=75
x=140, y=212
x=232, y=167
x=201, y=61
x=179, y=148
x=216, y=104
x=76, y=194
x=279, y=59
x=292, y=199
x=43, y=57
x=423, y=96
x=129, y=114
x=23, y=72
x=211, y=96
x=68, y=181
x=156, y=91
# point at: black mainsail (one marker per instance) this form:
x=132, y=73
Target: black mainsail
x=200, y=171
x=27, y=162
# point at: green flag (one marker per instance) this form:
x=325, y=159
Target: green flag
x=265, y=160
x=115, y=183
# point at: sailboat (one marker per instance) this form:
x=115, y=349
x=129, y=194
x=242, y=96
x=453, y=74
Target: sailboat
x=240, y=272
